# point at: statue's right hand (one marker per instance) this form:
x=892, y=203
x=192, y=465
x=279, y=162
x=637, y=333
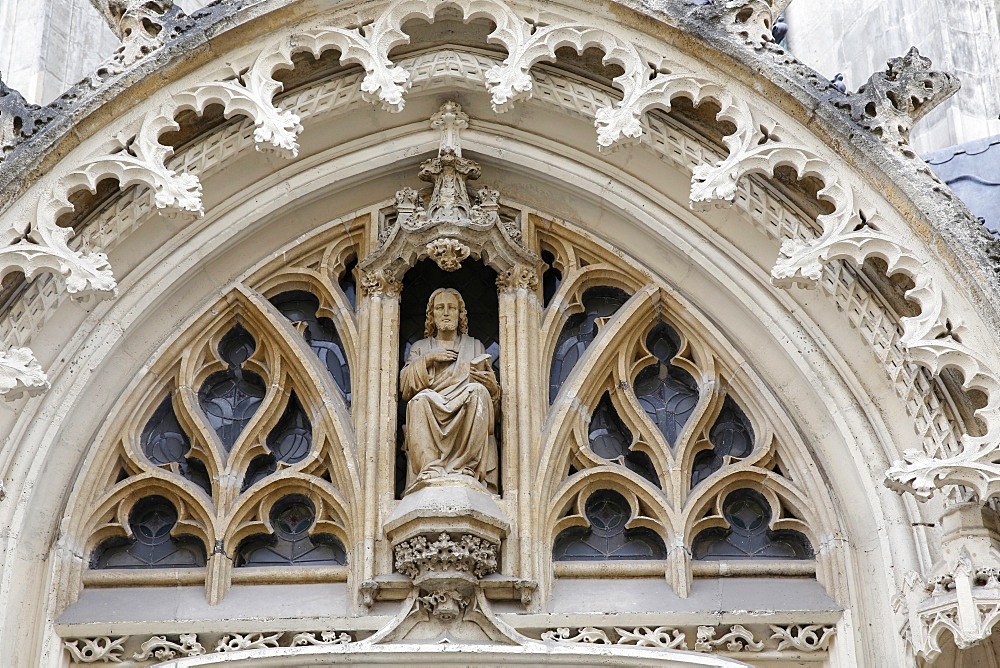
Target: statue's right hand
x=441, y=356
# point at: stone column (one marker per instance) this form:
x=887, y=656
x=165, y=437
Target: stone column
x=379, y=334
x=524, y=402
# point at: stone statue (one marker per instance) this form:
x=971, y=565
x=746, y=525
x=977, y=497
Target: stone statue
x=453, y=399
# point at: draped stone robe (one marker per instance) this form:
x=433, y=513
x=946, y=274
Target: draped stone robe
x=450, y=416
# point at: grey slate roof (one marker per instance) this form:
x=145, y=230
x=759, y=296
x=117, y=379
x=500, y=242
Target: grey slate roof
x=972, y=170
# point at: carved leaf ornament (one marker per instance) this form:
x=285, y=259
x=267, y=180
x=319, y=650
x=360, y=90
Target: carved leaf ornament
x=32, y=242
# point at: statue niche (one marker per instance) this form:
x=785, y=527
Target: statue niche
x=452, y=399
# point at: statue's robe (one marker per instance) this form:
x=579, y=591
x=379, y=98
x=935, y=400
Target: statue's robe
x=449, y=415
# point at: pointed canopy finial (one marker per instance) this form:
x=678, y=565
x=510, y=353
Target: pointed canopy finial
x=450, y=120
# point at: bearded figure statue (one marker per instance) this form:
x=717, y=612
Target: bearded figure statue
x=453, y=397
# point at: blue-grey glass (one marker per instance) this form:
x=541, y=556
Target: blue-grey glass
x=607, y=539
x=320, y=334
x=291, y=544
x=164, y=442
x=732, y=435
x=580, y=330
x=666, y=392
x=611, y=439
x=230, y=398
x=551, y=278
x=748, y=537
x=291, y=439
x=259, y=468
x=151, y=546
x=348, y=284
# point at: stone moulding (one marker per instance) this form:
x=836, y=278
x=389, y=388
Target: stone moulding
x=799, y=638
x=759, y=144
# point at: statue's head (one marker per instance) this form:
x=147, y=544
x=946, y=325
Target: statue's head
x=446, y=310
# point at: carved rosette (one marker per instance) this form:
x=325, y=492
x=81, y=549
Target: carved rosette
x=417, y=557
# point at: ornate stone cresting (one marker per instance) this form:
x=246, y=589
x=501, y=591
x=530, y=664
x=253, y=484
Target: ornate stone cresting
x=753, y=20
x=19, y=120
x=962, y=594
x=892, y=101
x=143, y=26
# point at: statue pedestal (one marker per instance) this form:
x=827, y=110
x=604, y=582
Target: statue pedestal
x=446, y=536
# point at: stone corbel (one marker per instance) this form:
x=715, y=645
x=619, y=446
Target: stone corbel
x=251, y=94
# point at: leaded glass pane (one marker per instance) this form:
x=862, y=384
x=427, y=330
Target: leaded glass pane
x=607, y=539
x=666, y=392
x=151, y=545
x=291, y=544
x=732, y=436
x=611, y=439
x=230, y=398
x=579, y=332
x=291, y=439
x=748, y=537
x=320, y=334
x=164, y=442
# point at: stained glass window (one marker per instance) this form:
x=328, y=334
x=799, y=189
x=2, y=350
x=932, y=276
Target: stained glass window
x=732, y=436
x=579, y=332
x=164, y=442
x=611, y=439
x=151, y=545
x=320, y=334
x=666, y=392
x=231, y=397
x=749, y=537
x=291, y=544
x=607, y=538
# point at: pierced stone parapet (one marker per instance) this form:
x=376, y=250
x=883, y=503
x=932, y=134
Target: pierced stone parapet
x=418, y=556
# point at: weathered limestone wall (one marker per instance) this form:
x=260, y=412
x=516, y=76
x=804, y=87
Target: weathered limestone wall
x=856, y=37
x=46, y=46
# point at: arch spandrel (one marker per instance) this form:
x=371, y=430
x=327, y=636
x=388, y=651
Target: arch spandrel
x=809, y=347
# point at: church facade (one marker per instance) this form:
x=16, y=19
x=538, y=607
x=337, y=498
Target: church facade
x=472, y=332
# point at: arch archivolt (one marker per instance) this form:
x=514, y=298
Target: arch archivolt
x=856, y=230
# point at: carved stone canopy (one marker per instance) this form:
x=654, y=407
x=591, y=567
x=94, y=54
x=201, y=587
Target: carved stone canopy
x=454, y=224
